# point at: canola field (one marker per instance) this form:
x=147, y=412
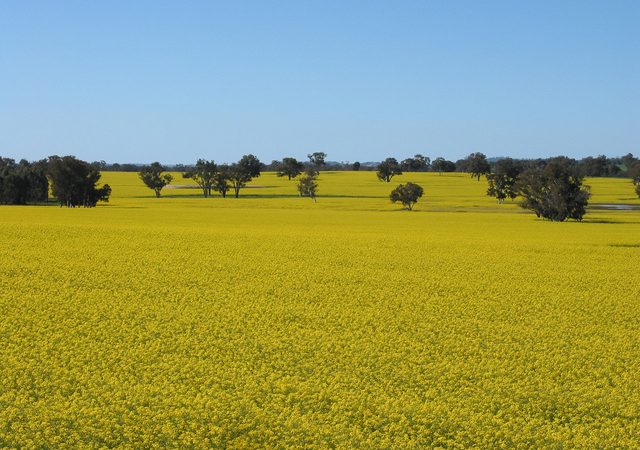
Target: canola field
x=273, y=321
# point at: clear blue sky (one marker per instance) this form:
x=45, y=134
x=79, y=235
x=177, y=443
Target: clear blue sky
x=136, y=81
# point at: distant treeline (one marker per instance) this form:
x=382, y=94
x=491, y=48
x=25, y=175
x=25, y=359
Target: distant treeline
x=598, y=166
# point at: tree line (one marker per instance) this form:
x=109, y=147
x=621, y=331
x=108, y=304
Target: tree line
x=553, y=188
x=73, y=182
x=598, y=166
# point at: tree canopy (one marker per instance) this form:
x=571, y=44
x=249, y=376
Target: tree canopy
x=477, y=165
x=221, y=180
x=242, y=172
x=502, y=182
x=154, y=178
x=418, y=163
x=23, y=182
x=289, y=167
x=308, y=185
x=407, y=194
x=442, y=165
x=74, y=182
x=634, y=172
x=388, y=168
x=204, y=174
x=554, y=192
x=317, y=159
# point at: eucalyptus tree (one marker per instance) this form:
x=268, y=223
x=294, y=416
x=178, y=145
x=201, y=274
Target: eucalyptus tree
x=154, y=178
x=204, y=174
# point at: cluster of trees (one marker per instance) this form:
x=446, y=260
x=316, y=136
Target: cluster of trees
x=554, y=192
x=390, y=167
x=553, y=188
x=290, y=167
x=73, y=182
x=222, y=178
x=23, y=182
x=208, y=175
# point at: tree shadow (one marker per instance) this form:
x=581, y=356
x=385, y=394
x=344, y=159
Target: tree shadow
x=609, y=221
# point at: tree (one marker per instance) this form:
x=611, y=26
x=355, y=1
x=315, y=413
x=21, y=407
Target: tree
x=502, y=181
x=153, y=177
x=243, y=171
x=317, y=159
x=23, y=182
x=554, y=192
x=221, y=180
x=477, y=165
x=634, y=172
x=442, y=165
x=418, y=163
x=308, y=185
x=600, y=166
x=388, y=168
x=628, y=160
x=204, y=174
x=407, y=194
x=355, y=166
x=74, y=182
x=289, y=167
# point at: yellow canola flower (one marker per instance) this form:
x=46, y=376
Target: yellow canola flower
x=272, y=321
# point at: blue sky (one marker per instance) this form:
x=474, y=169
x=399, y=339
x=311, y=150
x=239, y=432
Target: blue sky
x=137, y=81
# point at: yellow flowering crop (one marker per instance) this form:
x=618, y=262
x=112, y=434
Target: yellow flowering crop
x=274, y=321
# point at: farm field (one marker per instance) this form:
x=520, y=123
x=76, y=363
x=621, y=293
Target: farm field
x=272, y=321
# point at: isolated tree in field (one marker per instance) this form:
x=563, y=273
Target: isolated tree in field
x=317, y=159
x=387, y=169
x=221, y=180
x=289, y=167
x=308, y=185
x=355, y=166
x=477, y=165
x=242, y=172
x=204, y=174
x=74, y=182
x=502, y=182
x=442, y=165
x=554, y=192
x=407, y=194
x=154, y=178
x=23, y=182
